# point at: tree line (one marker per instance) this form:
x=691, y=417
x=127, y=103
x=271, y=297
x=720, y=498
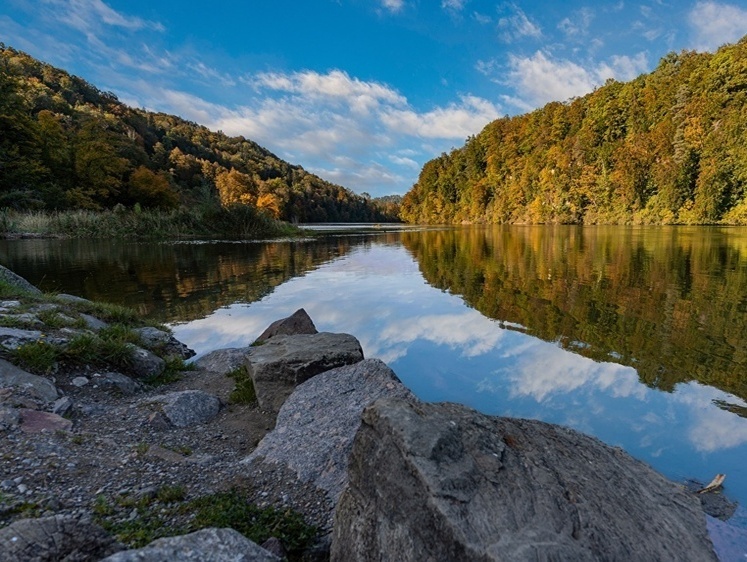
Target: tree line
x=666, y=148
x=64, y=144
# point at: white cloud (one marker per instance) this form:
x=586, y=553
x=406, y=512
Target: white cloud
x=715, y=23
x=482, y=18
x=393, y=6
x=455, y=121
x=578, y=24
x=517, y=26
x=541, y=78
x=84, y=15
x=456, y=5
x=404, y=161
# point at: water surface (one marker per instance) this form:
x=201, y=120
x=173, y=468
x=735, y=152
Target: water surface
x=635, y=335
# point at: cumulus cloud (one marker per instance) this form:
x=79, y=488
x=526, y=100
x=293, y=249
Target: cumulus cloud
x=517, y=26
x=715, y=23
x=455, y=121
x=393, y=6
x=541, y=78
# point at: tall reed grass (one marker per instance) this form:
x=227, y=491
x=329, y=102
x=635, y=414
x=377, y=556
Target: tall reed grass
x=201, y=221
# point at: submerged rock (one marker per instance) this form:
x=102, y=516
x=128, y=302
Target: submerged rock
x=207, y=545
x=297, y=323
x=283, y=362
x=443, y=482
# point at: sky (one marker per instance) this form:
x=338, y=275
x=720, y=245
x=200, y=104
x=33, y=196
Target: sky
x=360, y=92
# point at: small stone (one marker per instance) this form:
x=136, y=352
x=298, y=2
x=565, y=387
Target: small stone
x=22, y=488
x=62, y=405
x=7, y=485
x=80, y=382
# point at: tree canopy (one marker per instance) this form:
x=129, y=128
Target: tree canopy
x=667, y=147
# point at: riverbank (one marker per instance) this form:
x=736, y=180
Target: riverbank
x=238, y=222
x=133, y=459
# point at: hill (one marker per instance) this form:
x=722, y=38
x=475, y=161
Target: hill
x=667, y=147
x=64, y=144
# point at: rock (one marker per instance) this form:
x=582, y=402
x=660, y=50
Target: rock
x=122, y=383
x=274, y=546
x=297, y=323
x=80, y=382
x=187, y=407
x=146, y=363
x=164, y=342
x=207, y=545
x=13, y=338
x=59, y=537
x=283, y=362
x=17, y=281
x=73, y=299
x=7, y=306
x=443, y=482
x=34, y=421
x=93, y=323
x=314, y=432
x=62, y=405
x=9, y=418
x=12, y=376
x=222, y=361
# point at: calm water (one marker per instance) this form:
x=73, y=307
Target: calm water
x=635, y=335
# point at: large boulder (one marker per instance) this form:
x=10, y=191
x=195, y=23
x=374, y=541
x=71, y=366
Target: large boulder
x=443, y=482
x=283, y=362
x=59, y=537
x=207, y=545
x=145, y=363
x=222, y=361
x=39, y=387
x=17, y=281
x=297, y=323
x=315, y=428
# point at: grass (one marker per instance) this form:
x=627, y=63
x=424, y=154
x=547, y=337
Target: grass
x=37, y=356
x=166, y=513
x=238, y=221
x=243, y=392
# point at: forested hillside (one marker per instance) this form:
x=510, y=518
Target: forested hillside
x=667, y=147
x=66, y=145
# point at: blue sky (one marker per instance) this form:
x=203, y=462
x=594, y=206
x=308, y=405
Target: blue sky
x=360, y=92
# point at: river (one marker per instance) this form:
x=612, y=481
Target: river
x=637, y=335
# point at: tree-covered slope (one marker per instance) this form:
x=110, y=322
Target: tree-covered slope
x=64, y=145
x=667, y=147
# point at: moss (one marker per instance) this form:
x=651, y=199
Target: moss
x=243, y=392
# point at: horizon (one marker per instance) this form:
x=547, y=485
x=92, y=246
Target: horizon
x=359, y=93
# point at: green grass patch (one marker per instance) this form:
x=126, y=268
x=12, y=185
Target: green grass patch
x=175, y=367
x=37, y=356
x=53, y=319
x=243, y=392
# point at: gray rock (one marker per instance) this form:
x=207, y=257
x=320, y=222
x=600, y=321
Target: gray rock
x=297, y=323
x=314, y=432
x=122, y=383
x=6, y=306
x=207, y=545
x=13, y=338
x=9, y=418
x=164, y=342
x=80, y=382
x=222, y=361
x=17, y=281
x=59, y=537
x=12, y=376
x=93, y=323
x=283, y=362
x=62, y=405
x=443, y=482
x=73, y=299
x=187, y=407
x=145, y=363
x=34, y=421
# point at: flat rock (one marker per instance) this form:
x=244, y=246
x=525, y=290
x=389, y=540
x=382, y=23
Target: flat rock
x=93, y=323
x=12, y=376
x=207, y=545
x=35, y=421
x=13, y=338
x=17, y=281
x=297, y=323
x=314, y=432
x=187, y=407
x=222, y=361
x=50, y=539
x=72, y=298
x=444, y=482
x=284, y=362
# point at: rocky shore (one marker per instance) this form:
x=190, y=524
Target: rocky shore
x=120, y=451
